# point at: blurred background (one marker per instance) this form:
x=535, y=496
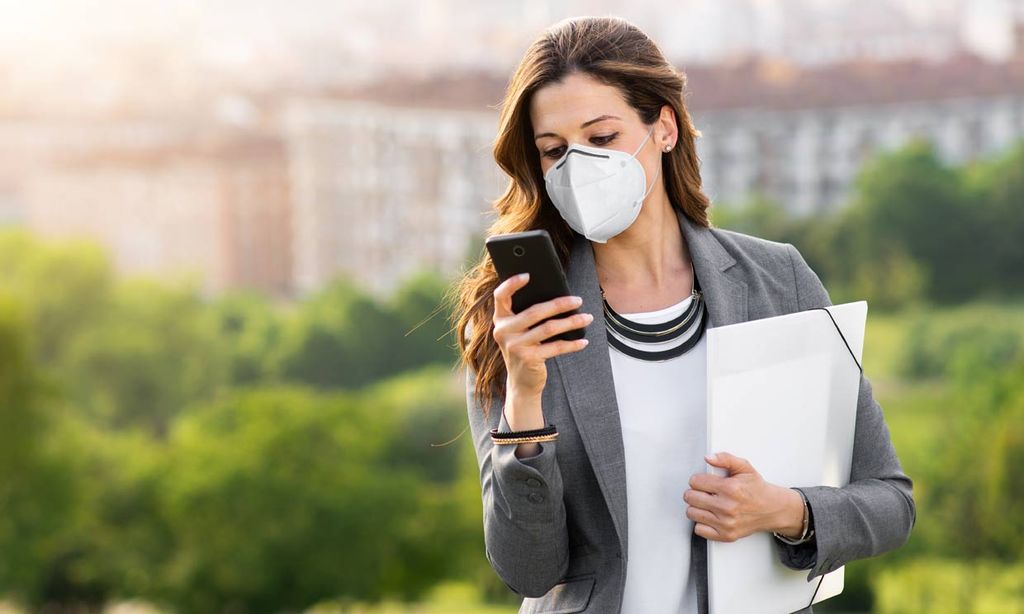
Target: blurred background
x=227, y=381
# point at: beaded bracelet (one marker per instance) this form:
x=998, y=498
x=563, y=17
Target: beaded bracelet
x=548, y=433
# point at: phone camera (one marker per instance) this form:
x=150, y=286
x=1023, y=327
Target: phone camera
x=518, y=250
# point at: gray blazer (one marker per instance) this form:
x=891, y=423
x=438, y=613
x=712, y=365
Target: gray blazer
x=555, y=523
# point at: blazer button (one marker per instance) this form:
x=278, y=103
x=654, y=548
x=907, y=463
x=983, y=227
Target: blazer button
x=535, y=497
x=533, y=482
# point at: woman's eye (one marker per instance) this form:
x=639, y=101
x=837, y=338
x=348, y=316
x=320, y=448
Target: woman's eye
x=596, y=140
x=554, y=153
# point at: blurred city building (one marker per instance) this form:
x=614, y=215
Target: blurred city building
x=217, y=207
x=799, y=136
x=28, y=143
x=382, y=190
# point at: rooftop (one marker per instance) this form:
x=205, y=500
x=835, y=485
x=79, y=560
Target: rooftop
x=748, y=83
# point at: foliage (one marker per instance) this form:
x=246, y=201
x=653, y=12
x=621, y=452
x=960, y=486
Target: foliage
x=281, y=497
x=341, y=337
x=152, y=351
x=249, y=328
x=995, y=188
x=973, y=338
x=983, y=447
x=948, y=586
x=37, y=479
x=64, y=287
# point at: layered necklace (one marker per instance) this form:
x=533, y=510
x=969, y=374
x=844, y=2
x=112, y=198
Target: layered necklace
x=692, y=320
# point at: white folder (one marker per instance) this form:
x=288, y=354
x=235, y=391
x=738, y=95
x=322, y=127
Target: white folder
x=782, y=393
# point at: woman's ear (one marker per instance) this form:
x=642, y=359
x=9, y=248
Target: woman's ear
x=669, y=131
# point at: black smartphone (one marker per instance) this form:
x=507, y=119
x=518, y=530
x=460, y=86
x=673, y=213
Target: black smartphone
x=532, y=252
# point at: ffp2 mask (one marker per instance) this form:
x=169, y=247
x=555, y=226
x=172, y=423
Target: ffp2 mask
x=598, y=192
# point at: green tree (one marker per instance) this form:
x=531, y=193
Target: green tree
x=977, y=488
x=908, y=207
x=37, y=480
x=996, y=191
x=250, y=328
x=155, y=350
x=340, y=337
x=64, y=286
x=948, y=586
x=759, y=216
x=890, y=279
x=124, y=539
x=280, y=497
x=423, y=320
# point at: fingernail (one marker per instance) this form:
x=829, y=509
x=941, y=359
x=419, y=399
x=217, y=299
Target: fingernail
x=584, y=341
x=577, y=300
x=523, y=276
x=711, y=457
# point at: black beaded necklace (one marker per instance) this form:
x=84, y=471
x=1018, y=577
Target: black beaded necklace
x=693, y=318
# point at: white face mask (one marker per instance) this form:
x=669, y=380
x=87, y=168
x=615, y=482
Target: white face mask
x=599, y=191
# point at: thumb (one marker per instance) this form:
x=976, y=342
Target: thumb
x=733, y=463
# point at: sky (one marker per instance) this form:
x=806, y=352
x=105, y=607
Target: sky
x=79, y=44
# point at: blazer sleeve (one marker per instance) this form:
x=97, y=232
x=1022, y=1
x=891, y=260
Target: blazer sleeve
x=525, y=536
x=875, y=512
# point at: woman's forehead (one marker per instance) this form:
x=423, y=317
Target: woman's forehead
x=568, y=104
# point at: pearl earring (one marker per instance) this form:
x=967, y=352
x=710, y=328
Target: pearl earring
x=668, y=148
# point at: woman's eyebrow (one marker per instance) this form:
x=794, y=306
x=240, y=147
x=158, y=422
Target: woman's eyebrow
x=582, y=126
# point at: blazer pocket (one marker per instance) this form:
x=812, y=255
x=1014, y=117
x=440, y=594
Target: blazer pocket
x=572, y=595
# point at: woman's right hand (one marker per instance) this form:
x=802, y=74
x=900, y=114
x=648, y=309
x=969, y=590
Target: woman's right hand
x=520, y=340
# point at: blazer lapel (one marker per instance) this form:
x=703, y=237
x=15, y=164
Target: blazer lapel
x=587, y=374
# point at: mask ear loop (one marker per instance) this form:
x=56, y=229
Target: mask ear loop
x=653, y=181
x=656, y=175
x=644, y=142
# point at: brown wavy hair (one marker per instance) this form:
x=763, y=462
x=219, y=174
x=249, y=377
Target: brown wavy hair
x=615, y=52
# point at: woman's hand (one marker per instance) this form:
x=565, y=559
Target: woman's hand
x=521, y=341
x=728, y=508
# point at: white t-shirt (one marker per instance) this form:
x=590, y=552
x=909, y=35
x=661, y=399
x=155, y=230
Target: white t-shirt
x=662, y=407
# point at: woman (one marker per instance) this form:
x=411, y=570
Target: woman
x=615, y=514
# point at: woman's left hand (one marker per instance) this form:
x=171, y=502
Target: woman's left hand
x=728, y=508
